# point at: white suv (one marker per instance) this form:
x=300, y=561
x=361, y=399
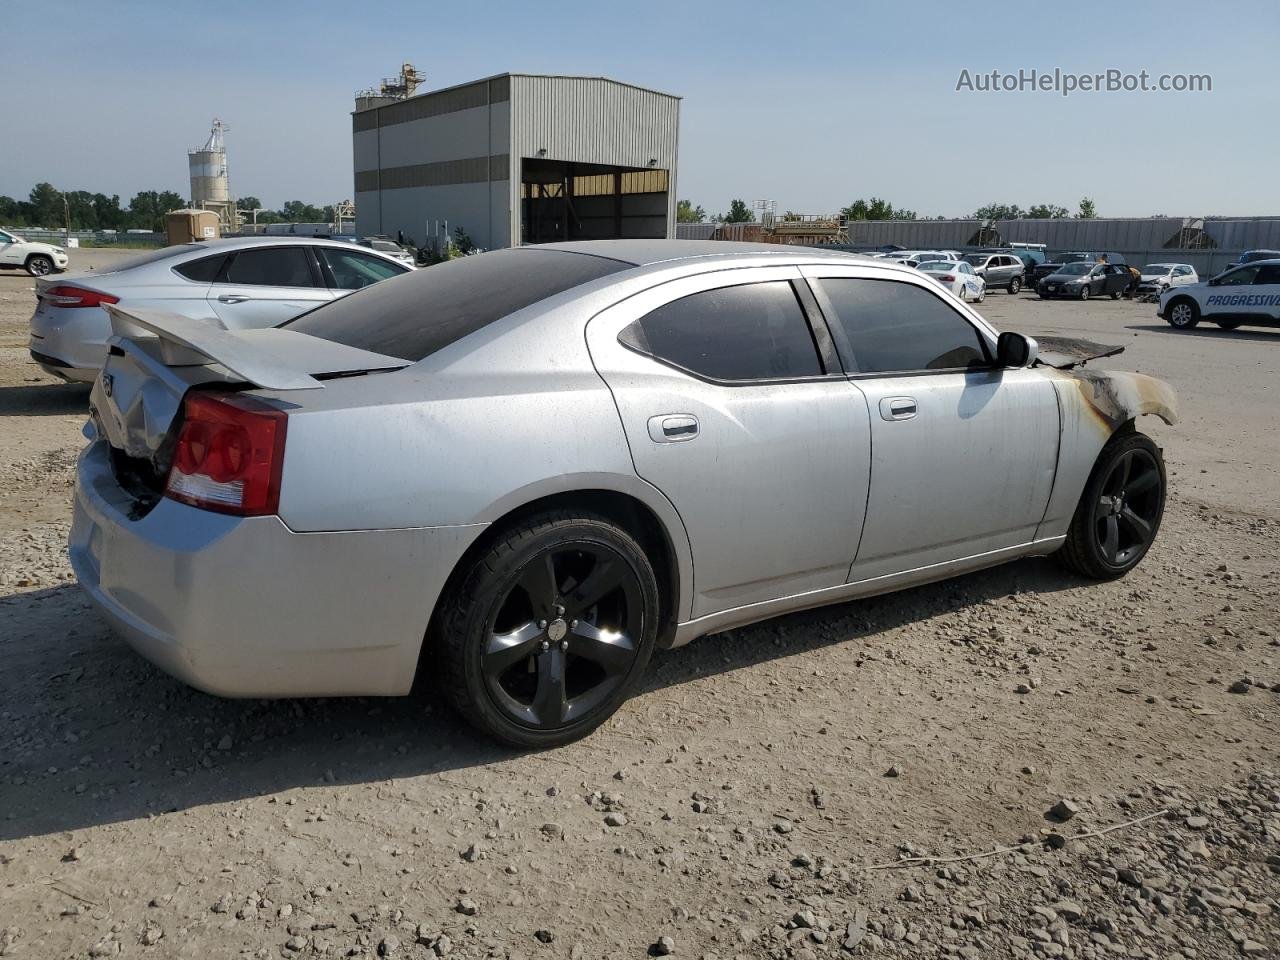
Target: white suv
x=1248, y=294
x=38, y=259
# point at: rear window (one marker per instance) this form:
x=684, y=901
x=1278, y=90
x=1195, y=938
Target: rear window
x=413, y=316
x=164, y=253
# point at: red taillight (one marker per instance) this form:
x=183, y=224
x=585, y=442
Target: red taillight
x=229, y=455
x=947, y=278
x=65, y=295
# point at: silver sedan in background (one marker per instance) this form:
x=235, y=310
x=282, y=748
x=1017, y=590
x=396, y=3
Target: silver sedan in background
x=240, y=283
x=516, y=475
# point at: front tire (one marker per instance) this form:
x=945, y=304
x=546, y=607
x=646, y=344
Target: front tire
x=1015, y=285
x=1084, y=292
x=1183, y=313
x=547, y=631
x=38, y=265
x=1119, y=512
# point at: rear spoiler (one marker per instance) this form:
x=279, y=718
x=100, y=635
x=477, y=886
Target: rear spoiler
x=274, y=359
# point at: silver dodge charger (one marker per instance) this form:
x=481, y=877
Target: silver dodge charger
x=517, y=474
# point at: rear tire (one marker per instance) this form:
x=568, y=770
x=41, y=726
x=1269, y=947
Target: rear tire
x=1015, y=285
x=38, y=265
x=1120, y=510
x=546, y=633
x=1183, y=313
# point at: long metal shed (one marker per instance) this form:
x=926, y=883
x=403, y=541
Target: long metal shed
x=518, y=158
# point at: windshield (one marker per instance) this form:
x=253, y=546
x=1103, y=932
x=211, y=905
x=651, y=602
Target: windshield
x=414, y=315
x=1073, y=257
x=976, y=259
x=386, y=245
x=1076, y=269
x=1154, y=269
x=938, y=266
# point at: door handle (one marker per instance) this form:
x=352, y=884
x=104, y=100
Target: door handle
x=898, y=408
x=233, y=298
x=673, y=427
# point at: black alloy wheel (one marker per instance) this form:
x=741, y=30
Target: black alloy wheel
x=1120, y=510
x=547, y=630
x=564, y=637
x=1127, y=510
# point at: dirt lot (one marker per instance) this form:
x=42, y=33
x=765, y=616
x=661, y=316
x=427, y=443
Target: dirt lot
x=760, y=793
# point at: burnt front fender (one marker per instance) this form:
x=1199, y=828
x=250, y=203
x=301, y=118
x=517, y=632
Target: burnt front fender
x=1116, y=397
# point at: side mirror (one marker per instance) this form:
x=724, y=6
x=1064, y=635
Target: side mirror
x=1015, y=350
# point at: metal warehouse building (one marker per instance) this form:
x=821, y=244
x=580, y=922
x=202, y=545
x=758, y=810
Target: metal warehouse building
x=518, y=158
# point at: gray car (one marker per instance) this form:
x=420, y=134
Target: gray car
x=999, y=270
x=518, y=474
x=239, y=283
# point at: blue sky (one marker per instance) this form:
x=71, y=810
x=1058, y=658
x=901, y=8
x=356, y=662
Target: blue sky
x=811, y=104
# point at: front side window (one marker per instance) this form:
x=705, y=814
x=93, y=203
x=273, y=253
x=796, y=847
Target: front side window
x=352, y=270
x=5, y=238
x=756, y=331
x=890, y=327
x=270, y=267
x=1238, y=278
x=1268, y=273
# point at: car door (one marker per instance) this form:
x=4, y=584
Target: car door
x=963, y=452
x=267, y=285
x=1182, y=276
x=1230, y=292
x=8, y=249
x=751, y=431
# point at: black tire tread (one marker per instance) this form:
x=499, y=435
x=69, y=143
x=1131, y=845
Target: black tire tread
x=451, y=633
x=1075, y=554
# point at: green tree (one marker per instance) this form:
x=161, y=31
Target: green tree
x=998, y=211
x=686, y=212
x=1087, y=210
x=875, y=209
x=11, y=212
x=738, y=213
x=249, y=203
x=45, y=205
x=148, y=207
x=107, y=211
x=295, y=211
x=1047, y=211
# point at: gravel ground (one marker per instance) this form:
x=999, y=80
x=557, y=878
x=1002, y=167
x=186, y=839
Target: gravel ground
x=927, y=774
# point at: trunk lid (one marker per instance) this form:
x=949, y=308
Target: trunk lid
x=155, y=357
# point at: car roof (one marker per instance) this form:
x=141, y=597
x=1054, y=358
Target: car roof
x=277, y=240
x=641, y=253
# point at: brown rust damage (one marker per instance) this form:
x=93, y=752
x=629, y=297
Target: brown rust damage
x=1115, y=397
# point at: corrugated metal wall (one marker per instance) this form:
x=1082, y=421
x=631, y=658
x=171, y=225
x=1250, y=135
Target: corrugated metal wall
x=593, y=120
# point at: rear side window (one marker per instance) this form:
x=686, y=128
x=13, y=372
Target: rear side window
x=352, y=270
x=202, y=270
x=415, y=315
x=1268, y=273
x=756, y=331
x=889, y=326
x=270, y=267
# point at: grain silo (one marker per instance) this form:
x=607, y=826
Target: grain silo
x=210, y=189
